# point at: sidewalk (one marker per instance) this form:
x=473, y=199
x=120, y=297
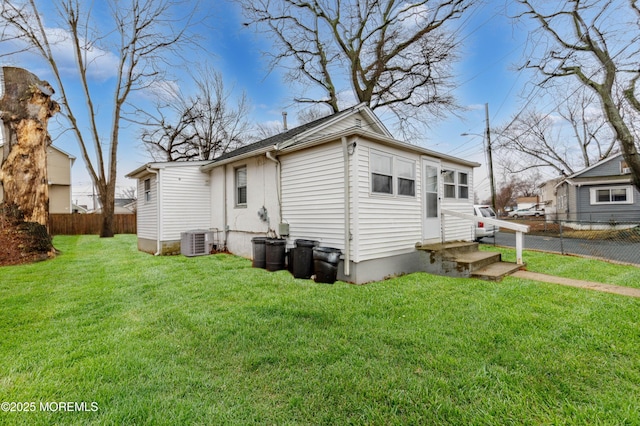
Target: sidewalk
x=608, y=288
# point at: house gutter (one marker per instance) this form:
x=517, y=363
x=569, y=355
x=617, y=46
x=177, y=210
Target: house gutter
x=347, y=209
x=159, y=212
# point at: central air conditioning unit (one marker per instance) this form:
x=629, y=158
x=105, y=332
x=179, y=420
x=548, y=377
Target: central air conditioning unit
x=196, y=242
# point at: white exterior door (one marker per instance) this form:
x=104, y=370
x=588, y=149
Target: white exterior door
x=431, y=226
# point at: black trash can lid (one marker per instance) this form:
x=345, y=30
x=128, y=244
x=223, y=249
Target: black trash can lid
x=327, y=250
x=259, y=240
x=306, y=243
x=276, y=241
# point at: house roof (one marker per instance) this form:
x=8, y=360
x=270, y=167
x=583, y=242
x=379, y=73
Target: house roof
x=307, y=135
x=311, y=134
x=578, y=178
x=593, y=166
x=300, y=133
x=144, y=169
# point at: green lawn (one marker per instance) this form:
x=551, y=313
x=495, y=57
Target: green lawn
x=210, y=340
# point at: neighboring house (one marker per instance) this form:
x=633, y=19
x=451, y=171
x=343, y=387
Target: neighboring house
x=59, y=174
x=602, y=192
x=548, y=197
x=121, y=206
x=341, y=180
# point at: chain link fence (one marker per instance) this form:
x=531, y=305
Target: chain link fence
x=617, y=241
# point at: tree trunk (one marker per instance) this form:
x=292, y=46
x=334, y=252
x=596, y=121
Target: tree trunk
x=25, y=110
x=107, y=199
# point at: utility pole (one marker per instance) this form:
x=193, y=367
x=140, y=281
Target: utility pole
x=490, y=159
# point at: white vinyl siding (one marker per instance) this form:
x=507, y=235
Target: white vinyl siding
x=386, y=226
x=456, y=229
x=313, y=194
x=147, y=212
x=185, y=200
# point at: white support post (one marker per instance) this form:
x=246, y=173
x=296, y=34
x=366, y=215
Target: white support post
x=519, y=245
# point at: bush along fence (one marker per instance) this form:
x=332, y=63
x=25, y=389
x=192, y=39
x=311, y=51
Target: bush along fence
x=89, y=224
x=615, y=240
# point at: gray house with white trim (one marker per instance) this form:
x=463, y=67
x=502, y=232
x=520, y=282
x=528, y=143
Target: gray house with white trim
x=602, y=192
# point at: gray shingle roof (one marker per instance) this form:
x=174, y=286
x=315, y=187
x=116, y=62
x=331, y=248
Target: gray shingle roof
x=281, y=137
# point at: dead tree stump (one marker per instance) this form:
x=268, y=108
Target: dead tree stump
x=25, y=109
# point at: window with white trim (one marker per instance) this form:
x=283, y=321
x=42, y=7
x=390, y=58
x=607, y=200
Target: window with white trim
x=463, y=185
x=392, y=175
x=456, y=184
x=611, y=195
x=147, y=190
x=406, y=177
x=241, y=186
x=381, y=173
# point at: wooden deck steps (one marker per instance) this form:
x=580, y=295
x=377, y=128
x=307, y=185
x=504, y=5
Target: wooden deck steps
x=463, y=259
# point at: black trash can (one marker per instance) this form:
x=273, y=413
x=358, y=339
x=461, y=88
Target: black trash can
x=259, y=252
x=325, y=264
x=275, y=253
x=301, y=258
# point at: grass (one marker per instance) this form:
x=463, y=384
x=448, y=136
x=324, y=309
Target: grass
x=210, y=340
x=575, y=267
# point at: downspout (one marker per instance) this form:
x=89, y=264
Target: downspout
x=278, y=180
x=347, y=209
x=225, y=227
x=158, y=212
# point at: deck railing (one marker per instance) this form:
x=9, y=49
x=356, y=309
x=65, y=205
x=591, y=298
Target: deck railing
x=519, y=229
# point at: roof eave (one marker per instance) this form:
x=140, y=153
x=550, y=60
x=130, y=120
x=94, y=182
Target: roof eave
x=381, y=139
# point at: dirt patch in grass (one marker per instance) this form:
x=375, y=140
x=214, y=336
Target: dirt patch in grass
x=22, y=242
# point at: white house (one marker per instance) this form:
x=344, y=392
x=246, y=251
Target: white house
x=342, y=180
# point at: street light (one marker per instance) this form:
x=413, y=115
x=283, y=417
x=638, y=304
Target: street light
x=490, y=159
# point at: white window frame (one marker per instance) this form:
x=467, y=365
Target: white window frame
x=460, y=185
x=412, y=165
x=395, y=162
x=147, y=189
x=593, y=195
x=380, y=172
x=455, y=184
x=237, y=186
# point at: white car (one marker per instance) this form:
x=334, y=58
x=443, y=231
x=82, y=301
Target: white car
x=531, y=211
x=484, y=229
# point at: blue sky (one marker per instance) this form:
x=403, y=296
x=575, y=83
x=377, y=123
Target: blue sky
x=489, y=53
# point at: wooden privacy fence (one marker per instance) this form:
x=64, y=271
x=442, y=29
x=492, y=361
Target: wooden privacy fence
x=80, y=224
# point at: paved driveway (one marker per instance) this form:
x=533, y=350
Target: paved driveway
x=619, y=251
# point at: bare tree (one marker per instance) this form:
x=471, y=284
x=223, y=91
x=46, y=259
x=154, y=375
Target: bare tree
x=596, y=42
x=393, y=54
x=198, y=127
x=168, y=133
x=571, y=137
x=138, y=35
